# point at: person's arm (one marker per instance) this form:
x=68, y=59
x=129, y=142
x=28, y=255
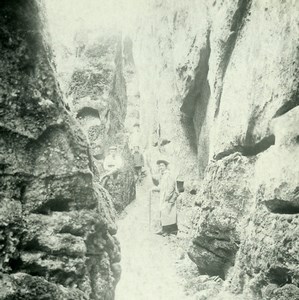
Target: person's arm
x=155, y=179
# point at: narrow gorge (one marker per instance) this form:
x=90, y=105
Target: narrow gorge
x=212, y=86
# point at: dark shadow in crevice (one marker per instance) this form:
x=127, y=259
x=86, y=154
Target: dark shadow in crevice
x=98, y=156
x=54, y=205
x=279, y=276
x=164, y=142
x=289, y=105
x=88, y=112
x=286, y=108
x=15, y=264
x=35, y=270
x=189, y=132
x=71, y=230
x=197, y=99
x=22, y=193
x=47, y=136
x=279, y=206
x=201, y=74
x=193, y=192
x=259, y=147
x=32, y=246
x=221, y=260
x=250, y=150
x=65, y=278
x=237, y=24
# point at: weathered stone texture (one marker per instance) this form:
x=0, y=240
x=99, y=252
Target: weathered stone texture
x=97, y=91
x=56, y=225
x=268, y=255
x=226, y=74
x=97, y=97
x=218, y=224
x=158, y=48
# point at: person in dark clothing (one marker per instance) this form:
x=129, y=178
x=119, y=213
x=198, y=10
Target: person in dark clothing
x=138, y=162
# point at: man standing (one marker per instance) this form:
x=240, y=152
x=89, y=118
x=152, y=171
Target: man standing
x=138, y=162
x=81, y=38
x=168, y=197
x=135, y=137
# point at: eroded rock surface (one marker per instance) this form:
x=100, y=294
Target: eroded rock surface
x=225, y=73
x=218, y=85
x=268, y=256
x=56, y=225
x=97, y=97
x=218, y=231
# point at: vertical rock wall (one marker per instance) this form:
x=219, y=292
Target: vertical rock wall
x=56, y=225
x=169, y=132
x=97, y=96
x=226, y=74
x=132, y=86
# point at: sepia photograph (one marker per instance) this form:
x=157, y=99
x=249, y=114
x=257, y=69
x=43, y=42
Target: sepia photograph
x=149, y=149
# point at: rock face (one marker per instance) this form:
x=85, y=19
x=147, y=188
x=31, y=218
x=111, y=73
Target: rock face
x=98, y=91
x=226, y=74
x=97, y=97
x=268, y=257
x=56, y=225
x=217, y=227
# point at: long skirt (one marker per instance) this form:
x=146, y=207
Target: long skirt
x=168, y=214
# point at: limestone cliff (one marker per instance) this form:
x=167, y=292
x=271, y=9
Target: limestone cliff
x=92, y=72
x=56, y=225
x=98, y=99
x=217, y=91
x=225, y=74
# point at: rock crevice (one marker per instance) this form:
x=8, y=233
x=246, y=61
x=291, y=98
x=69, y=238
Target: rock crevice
x=239, y=89
x=52, y=215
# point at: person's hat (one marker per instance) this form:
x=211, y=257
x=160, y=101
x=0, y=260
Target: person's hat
x=112, y=148
x=163, y=161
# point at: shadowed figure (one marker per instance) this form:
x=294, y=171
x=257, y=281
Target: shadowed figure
x=138, y=163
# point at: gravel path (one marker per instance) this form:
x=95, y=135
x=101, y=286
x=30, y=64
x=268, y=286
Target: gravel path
x=148, y=264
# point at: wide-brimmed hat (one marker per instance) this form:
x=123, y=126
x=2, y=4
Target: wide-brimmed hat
x=163, y=161
x=112, y=148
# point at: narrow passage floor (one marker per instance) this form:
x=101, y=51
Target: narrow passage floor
x=148, y=264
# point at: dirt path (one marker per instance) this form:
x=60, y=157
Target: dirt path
x=148, y=265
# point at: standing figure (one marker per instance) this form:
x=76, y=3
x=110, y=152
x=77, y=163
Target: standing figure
x=135, y=137
x=81, y=39
x=112, y=165
x=168, y=198
x=138, y=162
